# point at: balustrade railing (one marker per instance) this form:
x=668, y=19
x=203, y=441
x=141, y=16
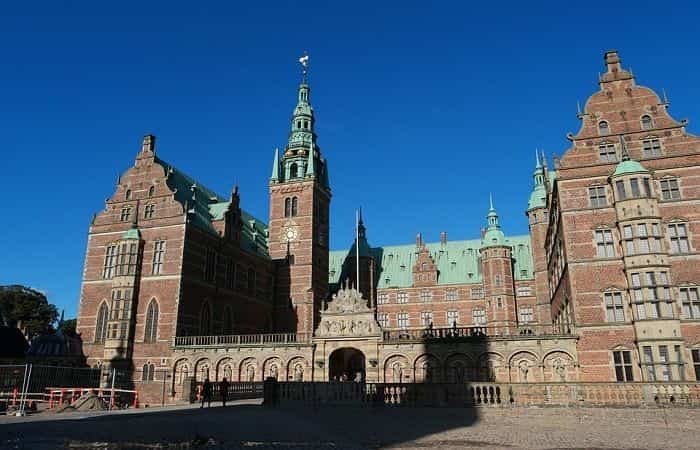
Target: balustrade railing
x=474, y=332
x=240, y=340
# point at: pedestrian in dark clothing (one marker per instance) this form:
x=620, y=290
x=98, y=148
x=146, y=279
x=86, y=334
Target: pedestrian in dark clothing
x=206, y=393
x=223, y=389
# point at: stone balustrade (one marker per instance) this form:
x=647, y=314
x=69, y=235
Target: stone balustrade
x=483, y=394
x=474, y=332
x=240, y=340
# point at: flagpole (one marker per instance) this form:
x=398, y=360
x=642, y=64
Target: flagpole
x=357, y=250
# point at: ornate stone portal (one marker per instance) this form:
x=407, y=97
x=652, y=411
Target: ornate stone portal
x=348, y=316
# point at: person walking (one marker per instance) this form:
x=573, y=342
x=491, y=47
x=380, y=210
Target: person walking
x=223, y=390
x=206, y=392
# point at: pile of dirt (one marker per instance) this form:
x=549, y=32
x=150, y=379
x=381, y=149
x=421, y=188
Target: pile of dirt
x=87, y=402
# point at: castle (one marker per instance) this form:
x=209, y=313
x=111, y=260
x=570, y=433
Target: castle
x=180, y=282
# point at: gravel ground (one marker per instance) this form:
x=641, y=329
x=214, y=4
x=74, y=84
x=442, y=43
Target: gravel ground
x=247, y=425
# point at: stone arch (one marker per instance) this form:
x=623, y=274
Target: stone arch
x=181, y=374
x=224, y=368
x=202, y=369
x=297, y=368
x=426, y=369
x=559, y=366
x=524, y=366
x=396, y=369
x=459, y=368
x=248, y=370
x=272, y=367
x=491, y=367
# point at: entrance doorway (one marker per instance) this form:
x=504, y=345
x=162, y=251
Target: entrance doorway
x=347, y=364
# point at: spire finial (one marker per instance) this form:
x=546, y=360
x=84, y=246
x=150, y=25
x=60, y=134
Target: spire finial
x=623, y=149
x=537, y=160
x=490, y=202
x=304, y=61
x=276, y=166
x=578, y=109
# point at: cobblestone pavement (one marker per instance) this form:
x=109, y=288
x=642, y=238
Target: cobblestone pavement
x=251, y=426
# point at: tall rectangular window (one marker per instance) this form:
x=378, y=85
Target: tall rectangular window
x=665, y=366
x=402, y=297
x=452, y=318
x=620, y=187
x=402, y=320
x=695, y=353
x=690, y=302
x=649, y=363
x=651, y=148
x=426, y=318
x=426, y=296
x=669, y=189
x=149, y=211
x=383, y=319
x=452, y=295
x=525, y=314
x=596, y=196
x=126, y=214
x=623, y=365
x=230, y=274
x=678, y=352
x=158, y=257
x=110, y=261
x=477, y=292
x=678, y=235
x=382, y=298
x=647, y=187
x=210, y=266
x=604, y=243
x=479, y=317
x=607, y=153
x=634, y=186
x=614, y=309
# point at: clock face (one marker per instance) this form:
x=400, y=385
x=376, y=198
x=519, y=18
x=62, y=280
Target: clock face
x=290, y=233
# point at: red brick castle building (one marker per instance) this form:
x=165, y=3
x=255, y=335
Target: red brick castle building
x=180, y=282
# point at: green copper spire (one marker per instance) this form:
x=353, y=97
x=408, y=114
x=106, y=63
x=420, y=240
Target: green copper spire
x=494, y=235
x=310, y=166
x=276, y=167
x=538, y=197
x=302, y=133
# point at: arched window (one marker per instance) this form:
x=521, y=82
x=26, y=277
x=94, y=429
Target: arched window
x=228, y=320
x=293, y=170
x=148, y=373
x=101, y=325
x=151, y=191
x=647, y=123
x=128, y=194
x=287, y=207
x=151, y=332
x=603, y=128
x=295, y=205
x=205, y=319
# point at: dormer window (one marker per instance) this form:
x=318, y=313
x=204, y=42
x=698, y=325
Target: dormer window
x=647, y=123
x=603, y=128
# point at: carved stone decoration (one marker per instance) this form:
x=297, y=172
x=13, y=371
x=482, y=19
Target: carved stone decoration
x=348, y=315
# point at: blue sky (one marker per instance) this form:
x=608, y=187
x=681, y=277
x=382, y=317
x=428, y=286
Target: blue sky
x=423, y=108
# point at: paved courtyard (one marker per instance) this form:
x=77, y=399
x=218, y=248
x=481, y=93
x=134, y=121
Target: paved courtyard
x=249, y=425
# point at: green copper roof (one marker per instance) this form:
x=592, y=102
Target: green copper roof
x=132, y=233
x=629, y=166
x=458, y=262
x=538, y=197
x=205, y=206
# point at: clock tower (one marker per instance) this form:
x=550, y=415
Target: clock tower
x=299, y=221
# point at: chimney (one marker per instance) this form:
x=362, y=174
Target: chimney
x=443, y=238
x=149, y=144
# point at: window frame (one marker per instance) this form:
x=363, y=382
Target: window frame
x=596, y=195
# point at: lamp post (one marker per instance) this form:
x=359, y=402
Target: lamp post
x=166, y=376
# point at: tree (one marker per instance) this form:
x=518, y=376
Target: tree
x=68, y=326
x=20, y=303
